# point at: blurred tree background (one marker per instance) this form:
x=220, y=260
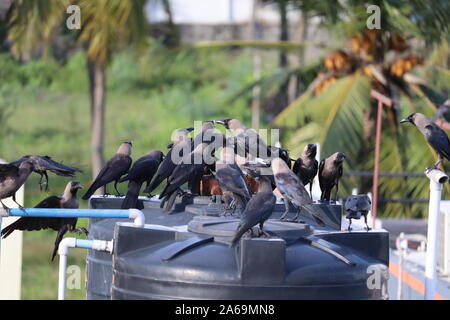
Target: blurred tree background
x=77, y=94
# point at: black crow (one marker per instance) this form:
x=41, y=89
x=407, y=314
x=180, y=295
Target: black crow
x=258, y=209
x=142, y=171
x=68, y=200
x=358, y=205
x=306, y=166
x=292, y=190
x=435, y=136
x=113, y=170
x=330, y=171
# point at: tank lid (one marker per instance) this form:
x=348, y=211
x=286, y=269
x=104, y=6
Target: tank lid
x=227, y=226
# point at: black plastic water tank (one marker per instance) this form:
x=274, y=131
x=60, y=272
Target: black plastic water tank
x=99, y=264
x=296, y=262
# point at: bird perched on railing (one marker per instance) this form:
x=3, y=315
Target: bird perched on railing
x=142, y=171
x=113, y=170
x=258, y=209
x=68, y=200
x=435, y=136
x=330, y=171
x=13, y=175
x=42, y=164
x=357, y=206
x=292, y=190
x=306, y=166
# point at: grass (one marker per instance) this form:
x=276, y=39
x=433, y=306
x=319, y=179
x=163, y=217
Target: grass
x=146, y=101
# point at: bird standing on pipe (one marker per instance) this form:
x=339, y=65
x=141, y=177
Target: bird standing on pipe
x=435, y=136
x=330, y=171
x=142, y=171
x=68, y=200
x=113, y=170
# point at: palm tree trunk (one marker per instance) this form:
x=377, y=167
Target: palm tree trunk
x=97, y=83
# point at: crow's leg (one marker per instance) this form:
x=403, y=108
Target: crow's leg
x=337, y=189
x=365, y=221
x=436, y=164
x=46, y=180
x=310, y=189
x=4, y=206
x=262, y=231
x=20, y=206
x=81, y=230
x=286, y=205
x=115, y=187
x=349, y=225
x=297, y=214
x=105, y=193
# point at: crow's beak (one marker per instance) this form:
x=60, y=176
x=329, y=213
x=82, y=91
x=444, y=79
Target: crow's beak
x=404, y=120
x=79, y=186
x=169, y=146
x=189, y=129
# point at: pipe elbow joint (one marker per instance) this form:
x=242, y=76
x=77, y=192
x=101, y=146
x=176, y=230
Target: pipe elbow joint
x=65, y=244
x=437, y=176
x=138, y=216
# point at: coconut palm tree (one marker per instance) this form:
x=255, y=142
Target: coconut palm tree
x=337, y=110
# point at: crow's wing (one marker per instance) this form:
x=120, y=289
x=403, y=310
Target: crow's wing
x=116, y=167
x=37, y=223
x=438, y=139
x=291, y=186
x=142, y=170
x=259, y=208
x=45, y=163
x=297, y=166
x=232, y=180
x=7, y=170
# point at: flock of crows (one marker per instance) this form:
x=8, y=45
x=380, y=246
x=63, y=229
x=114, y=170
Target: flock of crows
x=245, y=173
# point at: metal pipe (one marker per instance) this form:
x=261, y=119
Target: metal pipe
x=135, y=214
x=376, y=166
x=63, y=251
x=437, y=178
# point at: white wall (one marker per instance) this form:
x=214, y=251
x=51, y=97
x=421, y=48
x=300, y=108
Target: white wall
x=11, y=255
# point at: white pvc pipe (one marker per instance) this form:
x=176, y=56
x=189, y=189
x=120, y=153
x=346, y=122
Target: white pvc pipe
x=437, y=178
x=63, y=251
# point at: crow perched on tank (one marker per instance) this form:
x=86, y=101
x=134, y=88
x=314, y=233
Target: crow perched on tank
x=231, y=179
x=357, y=206
x=435, y=136
x=330, y=171
x=191, y=166
x=180, y=140
x=306, y=166
x=293, y=190
x=68, y=200
x=142, y=171
x=113, y=170
x=258, y=209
